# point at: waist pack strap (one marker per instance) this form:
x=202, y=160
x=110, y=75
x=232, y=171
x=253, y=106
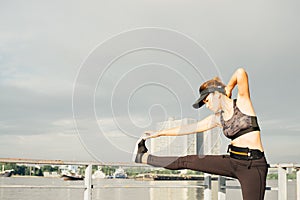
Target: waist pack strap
x=244, y=153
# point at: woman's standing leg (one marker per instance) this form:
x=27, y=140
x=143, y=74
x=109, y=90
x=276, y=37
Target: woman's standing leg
x=252, y=180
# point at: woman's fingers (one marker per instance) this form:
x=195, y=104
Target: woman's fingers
x=228, y=92
x=150, y=134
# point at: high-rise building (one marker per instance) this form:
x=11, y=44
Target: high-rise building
x=176, y=145
x=207, y=142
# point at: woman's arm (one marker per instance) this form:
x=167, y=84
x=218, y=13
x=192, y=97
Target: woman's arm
x=207, y=123
x=239, y=78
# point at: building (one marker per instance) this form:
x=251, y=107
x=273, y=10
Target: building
x=174, y=146
x=200, y=143
x=207, y=142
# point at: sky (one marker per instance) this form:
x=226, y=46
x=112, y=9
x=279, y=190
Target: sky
x=82, y=80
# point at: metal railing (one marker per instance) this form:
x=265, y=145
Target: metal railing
x=283, y=170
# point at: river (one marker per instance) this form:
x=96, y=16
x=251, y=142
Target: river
x=142, y=190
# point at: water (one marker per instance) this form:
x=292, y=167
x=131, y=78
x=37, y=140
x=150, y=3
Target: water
x=37, y=193
x=98, y=192
x=146, y=193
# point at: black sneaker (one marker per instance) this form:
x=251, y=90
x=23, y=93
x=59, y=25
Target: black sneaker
x=139, y=150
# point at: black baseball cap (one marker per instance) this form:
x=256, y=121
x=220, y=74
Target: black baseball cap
x=208, y=87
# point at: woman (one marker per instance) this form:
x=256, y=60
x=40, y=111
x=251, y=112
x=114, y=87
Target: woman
x=246, y=160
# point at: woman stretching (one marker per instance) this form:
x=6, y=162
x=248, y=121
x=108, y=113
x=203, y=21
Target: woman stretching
x=246, y=160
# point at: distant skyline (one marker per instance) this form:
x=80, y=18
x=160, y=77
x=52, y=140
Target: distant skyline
x=82, y=81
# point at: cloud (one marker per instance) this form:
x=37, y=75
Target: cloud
x=45, y=85
x=284, y=124
x=66, y=123
x=42, y=45
x=49, y=146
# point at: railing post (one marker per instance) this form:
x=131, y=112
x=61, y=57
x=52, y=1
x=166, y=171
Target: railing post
x=88, y=183
x=298, y=184
x=221, y=188
x=282, y=183
x=207, y=190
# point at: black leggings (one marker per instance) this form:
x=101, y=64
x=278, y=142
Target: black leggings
x=250, y=173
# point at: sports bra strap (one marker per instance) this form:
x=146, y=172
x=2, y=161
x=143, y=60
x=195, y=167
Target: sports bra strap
x=234, y=102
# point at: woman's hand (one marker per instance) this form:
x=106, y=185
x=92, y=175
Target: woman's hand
x=151, y=134
x=228, y=92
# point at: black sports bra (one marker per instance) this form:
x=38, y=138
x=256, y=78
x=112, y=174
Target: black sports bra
x=239, y=124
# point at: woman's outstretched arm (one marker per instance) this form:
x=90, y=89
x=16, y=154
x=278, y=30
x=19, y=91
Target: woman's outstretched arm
x=207, y=123
x=239, y=78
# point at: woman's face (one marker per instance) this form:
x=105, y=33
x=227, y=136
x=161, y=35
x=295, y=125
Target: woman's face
x=212, y=101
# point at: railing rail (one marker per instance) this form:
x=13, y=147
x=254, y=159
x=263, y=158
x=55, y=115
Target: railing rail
x=283, y=170
x=62, y=162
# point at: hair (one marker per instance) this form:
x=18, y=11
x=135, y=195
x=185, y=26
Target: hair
x=216, y=81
